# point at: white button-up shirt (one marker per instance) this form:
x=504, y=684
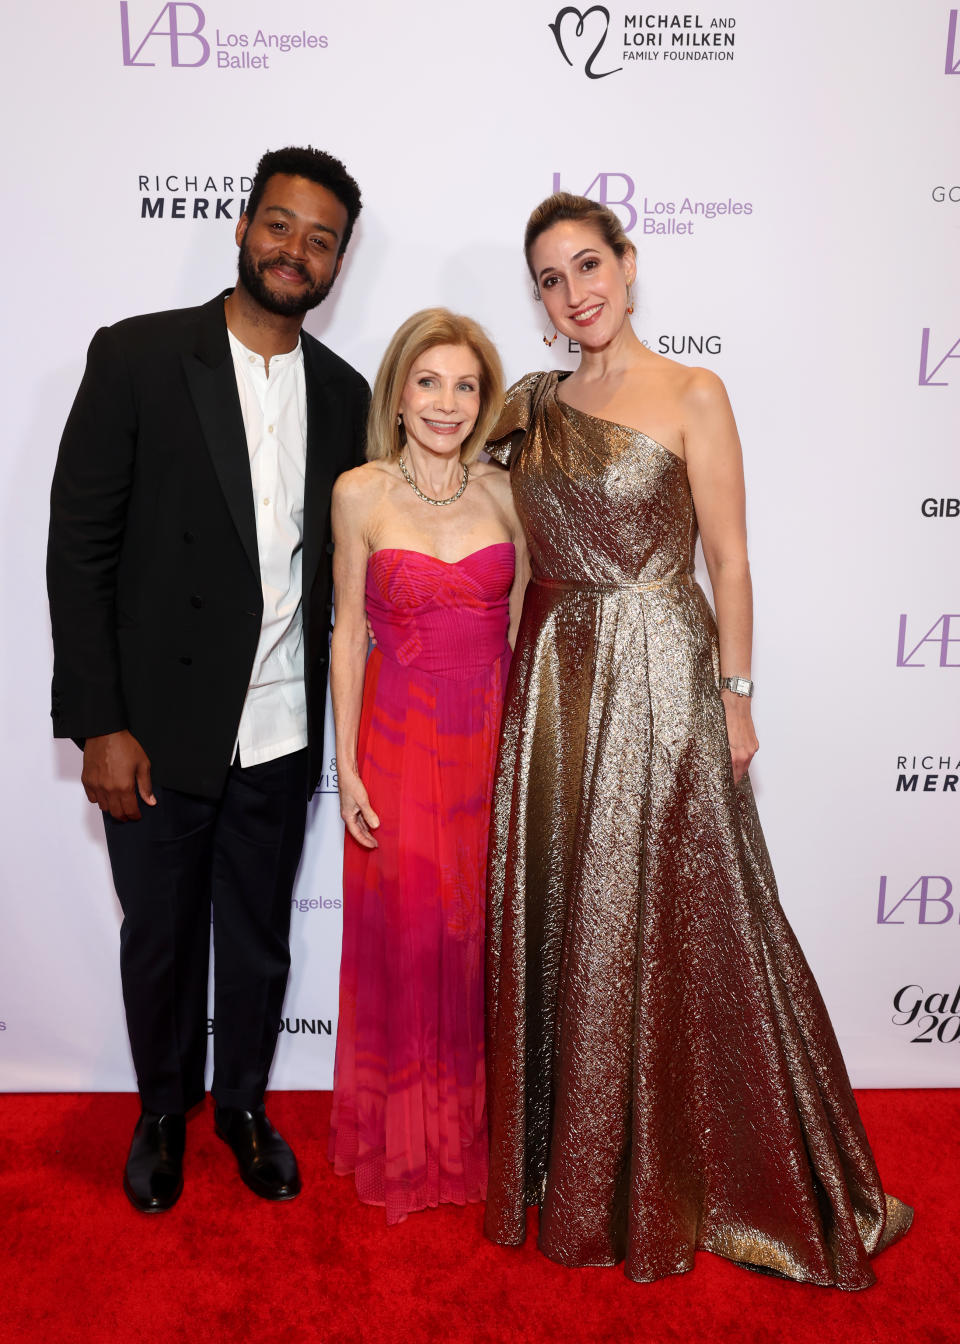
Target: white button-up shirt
x=274, y=718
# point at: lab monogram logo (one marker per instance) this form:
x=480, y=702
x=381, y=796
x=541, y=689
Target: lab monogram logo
x=952, y=65
x=927, y=902
x=179, y=24
x=931, y=365
x=934, y=647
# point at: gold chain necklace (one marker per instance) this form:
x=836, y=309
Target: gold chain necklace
x=438, y=503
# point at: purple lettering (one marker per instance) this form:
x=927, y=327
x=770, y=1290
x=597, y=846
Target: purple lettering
x=174, y=32
x=944, y=639
x=927, y=378
x=601, y=182
x=952, y=66
x=925, y=899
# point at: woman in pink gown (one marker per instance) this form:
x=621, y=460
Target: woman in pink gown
x=429, y=547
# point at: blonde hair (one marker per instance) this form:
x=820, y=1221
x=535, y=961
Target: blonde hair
x=564, y=205
x=421, y=332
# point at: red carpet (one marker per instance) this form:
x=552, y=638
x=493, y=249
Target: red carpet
x=80, y=1265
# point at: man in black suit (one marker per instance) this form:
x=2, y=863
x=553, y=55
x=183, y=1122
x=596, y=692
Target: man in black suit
x=190, y=593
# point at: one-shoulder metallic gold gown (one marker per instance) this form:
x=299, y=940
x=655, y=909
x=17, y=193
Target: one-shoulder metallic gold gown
x=662, y=1073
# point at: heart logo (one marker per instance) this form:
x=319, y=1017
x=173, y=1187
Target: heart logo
x=569, y=29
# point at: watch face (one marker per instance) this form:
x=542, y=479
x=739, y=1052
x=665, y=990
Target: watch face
x=739, y=685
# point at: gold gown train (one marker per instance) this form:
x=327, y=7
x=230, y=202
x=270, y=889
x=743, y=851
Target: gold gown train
x=662, y=1073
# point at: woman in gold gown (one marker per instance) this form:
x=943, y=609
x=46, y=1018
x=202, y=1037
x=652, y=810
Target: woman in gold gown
x=662, y=1073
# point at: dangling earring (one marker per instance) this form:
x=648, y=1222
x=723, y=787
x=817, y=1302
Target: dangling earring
x=401, y=431
x=629, y=301
x=547, y=342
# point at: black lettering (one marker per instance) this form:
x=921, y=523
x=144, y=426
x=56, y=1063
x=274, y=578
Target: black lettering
x=153, y=209
x=922, y=1039
x=909, y=1013
x=956, y=1030
x=905, y=785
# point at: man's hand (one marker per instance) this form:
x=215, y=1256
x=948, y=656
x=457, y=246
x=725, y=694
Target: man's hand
x=115, y=770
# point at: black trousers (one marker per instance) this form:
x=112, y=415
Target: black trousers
x=235, y=856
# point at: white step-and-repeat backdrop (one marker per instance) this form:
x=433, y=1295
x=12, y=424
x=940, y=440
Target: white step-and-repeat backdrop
x=791, y=179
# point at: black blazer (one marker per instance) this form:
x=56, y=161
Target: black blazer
x=152, y=566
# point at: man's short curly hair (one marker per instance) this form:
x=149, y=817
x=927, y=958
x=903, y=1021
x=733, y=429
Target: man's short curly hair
x=316, y=166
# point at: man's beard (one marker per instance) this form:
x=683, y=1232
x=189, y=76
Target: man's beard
x=284, y=305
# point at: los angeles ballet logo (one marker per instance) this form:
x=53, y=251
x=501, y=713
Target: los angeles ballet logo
x=180, y=23
x=952, y=64
x=935, y=1017
x=928, y=374
x=681, y=216
x=944, y=632
x=926, y=902
x=176, y=36
x=569, y=29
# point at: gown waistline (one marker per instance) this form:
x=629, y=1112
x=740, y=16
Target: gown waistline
x=686, y=580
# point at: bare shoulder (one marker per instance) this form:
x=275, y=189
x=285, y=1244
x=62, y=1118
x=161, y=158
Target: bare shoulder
x=702, y=391
x=360, y=484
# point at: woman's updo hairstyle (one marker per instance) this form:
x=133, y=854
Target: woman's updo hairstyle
x=564, y=205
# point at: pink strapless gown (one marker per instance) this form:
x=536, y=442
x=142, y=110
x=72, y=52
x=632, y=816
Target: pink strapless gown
x=409, y=1117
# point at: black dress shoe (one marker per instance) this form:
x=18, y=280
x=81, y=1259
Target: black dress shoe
x=266, y=1161
x=153, y=1177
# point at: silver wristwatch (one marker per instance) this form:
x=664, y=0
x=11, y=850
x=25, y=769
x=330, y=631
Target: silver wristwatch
x=739, y=685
